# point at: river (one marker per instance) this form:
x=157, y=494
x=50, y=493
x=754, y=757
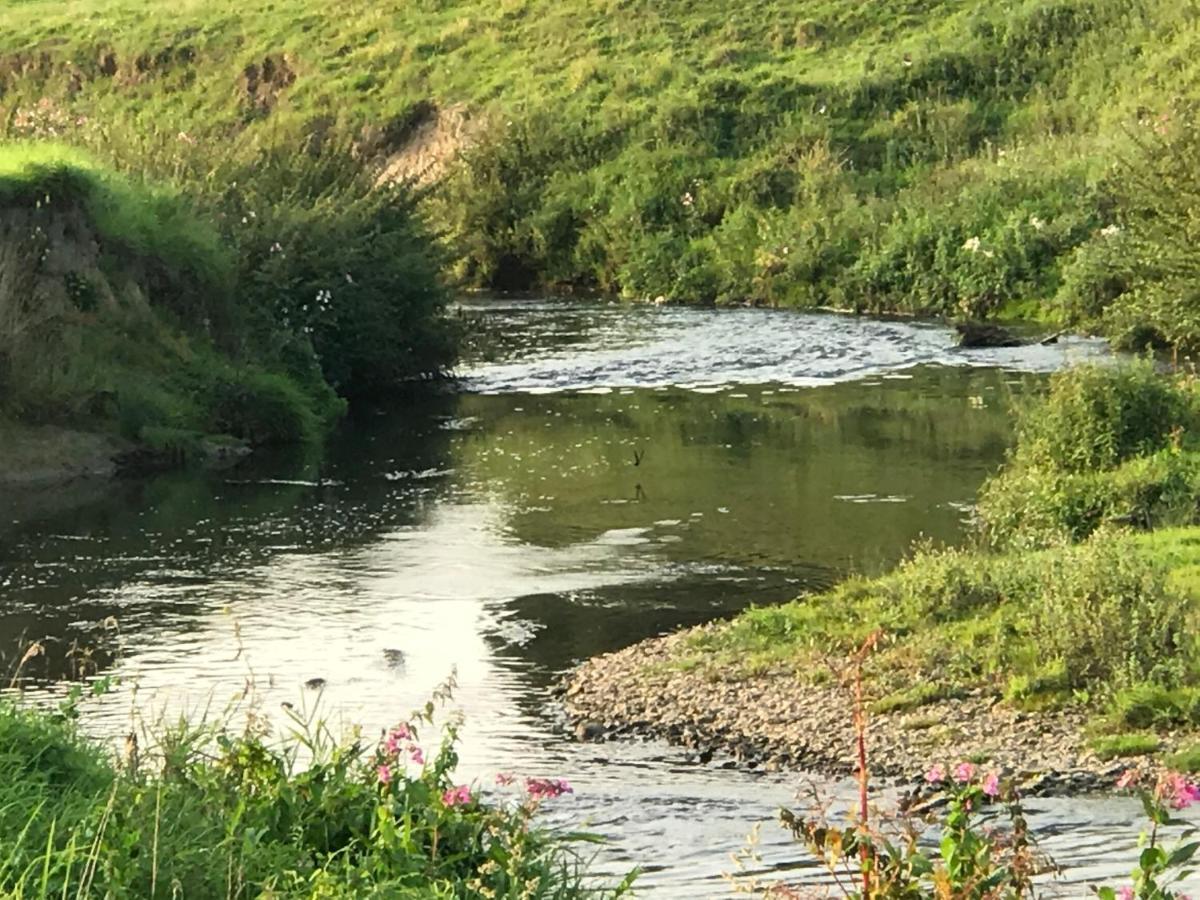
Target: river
x=601, y=473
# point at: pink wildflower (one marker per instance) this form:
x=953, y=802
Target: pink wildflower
x=385, y=774
x=991, y=784
x=505, y=778
x=964, y=772
x=395, y=738
x=545, y=788
x=457, y=796
x=416, y=755
x=1125, y=893
x=1128, y=778
x=936, y=774
x=1177, y=790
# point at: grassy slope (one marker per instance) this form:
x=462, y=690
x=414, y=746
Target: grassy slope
x=136, y=350
x=815, y=136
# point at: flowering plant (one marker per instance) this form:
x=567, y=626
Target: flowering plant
x=1160, y=869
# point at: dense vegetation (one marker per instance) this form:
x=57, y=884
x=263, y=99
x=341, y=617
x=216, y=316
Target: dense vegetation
x=1083, y=586
x=222, y=812
x=958, y=158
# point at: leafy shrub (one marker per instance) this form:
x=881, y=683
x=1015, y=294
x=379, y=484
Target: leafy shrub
x=1108, y=615
x=259, y=407
x=329, y=258
x=1096, y=417
x=1039, y=507
x=1148, y=705
x=219, y=813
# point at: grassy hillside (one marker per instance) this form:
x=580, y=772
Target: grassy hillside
x=940, y=156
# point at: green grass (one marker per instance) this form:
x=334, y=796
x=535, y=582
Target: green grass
x=1102, y=616
x=1119, y=746
x=1186, y=759
x=788, y=152
x=911, y=698
x=214, y=812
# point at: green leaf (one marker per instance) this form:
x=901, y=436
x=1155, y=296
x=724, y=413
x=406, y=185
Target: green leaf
x=1183, y=853
x=1152, y=858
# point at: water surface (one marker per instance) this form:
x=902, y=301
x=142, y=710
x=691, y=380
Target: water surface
x=600, y=474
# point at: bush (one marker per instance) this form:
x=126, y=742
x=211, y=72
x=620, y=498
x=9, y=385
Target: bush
x=329, y=258
x=1119, y=746
x=258, y=407
x=1105, y=611
x=1155, y=706
x=1026, y=507
x=1096, y=417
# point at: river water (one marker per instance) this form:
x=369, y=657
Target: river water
x=600, y=474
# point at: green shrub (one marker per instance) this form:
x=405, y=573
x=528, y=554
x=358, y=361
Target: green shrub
x=1096, y=417
x=329, y=259
x=259, y=407
x=219, y=813
x=1105, y=611
x=1185, y=760
x=1155, y=706
x=1040, y=507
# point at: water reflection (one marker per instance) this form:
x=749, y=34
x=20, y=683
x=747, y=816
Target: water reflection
x=582, y=491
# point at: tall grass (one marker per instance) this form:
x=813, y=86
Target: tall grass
x=956, y=159
x=207, y=809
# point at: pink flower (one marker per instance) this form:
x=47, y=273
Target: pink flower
x=1125, y=893
x=505, y=778
x=1177, y=790
x=545, y=788
x=457, y=796
x=964, y=772
x=394, y=739
x=416, y=755
x=1128, y=777
x=385, y=774
x=936, y=774
x=991, y=784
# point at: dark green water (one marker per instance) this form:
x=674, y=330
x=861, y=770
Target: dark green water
x=601, y=474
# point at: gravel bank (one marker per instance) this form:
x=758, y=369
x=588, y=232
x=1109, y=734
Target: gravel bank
x=775, y=722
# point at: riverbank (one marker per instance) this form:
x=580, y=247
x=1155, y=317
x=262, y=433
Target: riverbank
x=774, y=720
x=1058, y=645
x=142, y=326
x=220, y=809
x=962, y=161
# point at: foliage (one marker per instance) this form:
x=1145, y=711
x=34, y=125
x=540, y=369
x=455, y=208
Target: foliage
x=1106, y=444
x=1115, y=746
x=215, y=812
x=794, y=152
x=1160, y=870
x=312, y=278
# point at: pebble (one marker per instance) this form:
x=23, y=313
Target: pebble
x=776, y=721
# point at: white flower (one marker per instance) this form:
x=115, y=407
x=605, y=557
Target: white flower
x=687, y=199
x=971, y=245
x=1110, y=230
x=1037, y=223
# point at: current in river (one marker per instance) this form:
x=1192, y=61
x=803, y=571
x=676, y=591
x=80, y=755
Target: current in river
x=599, y=473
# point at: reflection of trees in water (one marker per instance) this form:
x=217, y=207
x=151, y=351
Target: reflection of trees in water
x=60, y=567
x=776, y=462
